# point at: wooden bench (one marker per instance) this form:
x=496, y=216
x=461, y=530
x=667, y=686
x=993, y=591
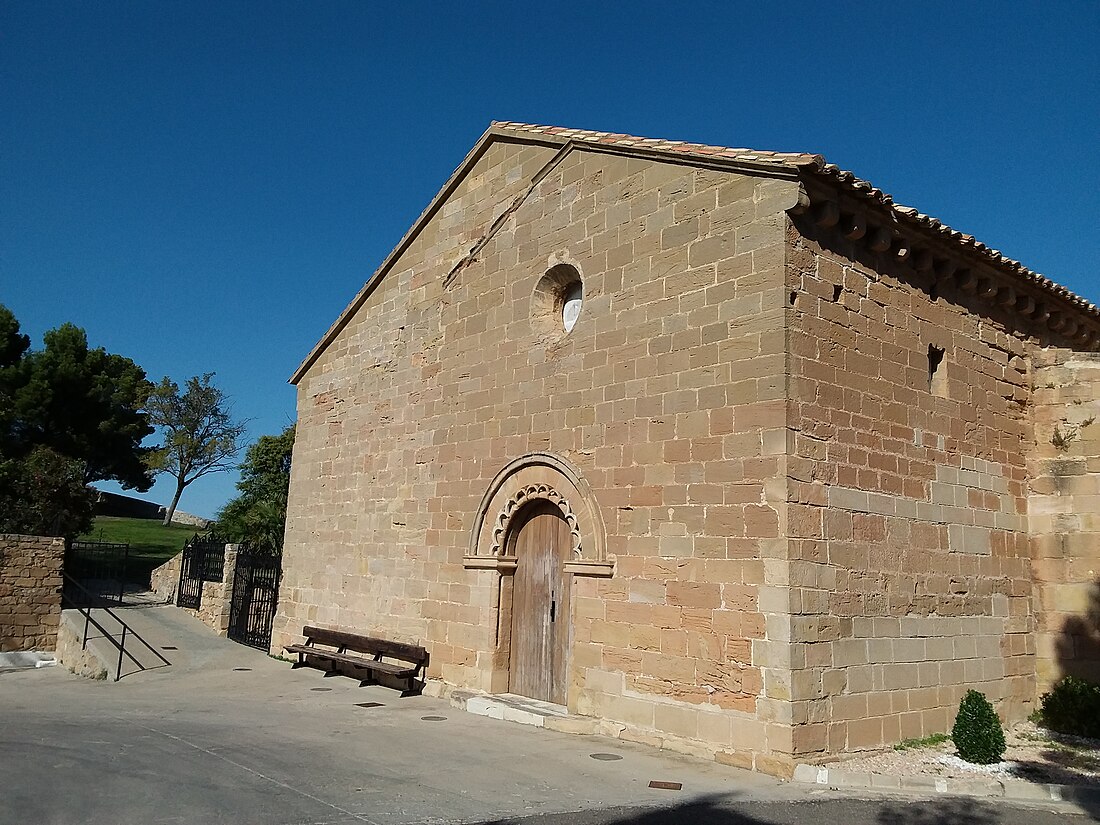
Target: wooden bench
x=409, y=665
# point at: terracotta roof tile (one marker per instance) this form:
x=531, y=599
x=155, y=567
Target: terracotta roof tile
x=794, y=160
x=814, y=164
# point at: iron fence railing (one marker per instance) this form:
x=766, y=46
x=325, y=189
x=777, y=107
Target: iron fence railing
x=203, y=560
x=102, y=566
x=90, y=620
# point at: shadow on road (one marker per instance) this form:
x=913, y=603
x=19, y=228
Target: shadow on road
x=719, y=810
x=951, y=811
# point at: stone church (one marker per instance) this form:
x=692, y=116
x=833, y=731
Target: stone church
x=718, y=449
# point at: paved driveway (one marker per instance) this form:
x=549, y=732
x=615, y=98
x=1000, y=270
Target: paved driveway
x=205, y=742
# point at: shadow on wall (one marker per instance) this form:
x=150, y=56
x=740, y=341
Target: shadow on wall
x=1078, y=645
x=720, y=810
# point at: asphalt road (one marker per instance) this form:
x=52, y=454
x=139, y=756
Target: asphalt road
x=203, y=742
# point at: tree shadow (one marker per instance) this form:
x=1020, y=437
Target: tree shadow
x=1078, y=645
x=719, y=809
x=1078, y=652
x=948, y=811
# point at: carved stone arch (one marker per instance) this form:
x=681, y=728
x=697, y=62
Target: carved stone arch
x=534, y=477
x=524, y=496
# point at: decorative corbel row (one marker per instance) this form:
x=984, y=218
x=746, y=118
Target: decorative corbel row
x=883, y=235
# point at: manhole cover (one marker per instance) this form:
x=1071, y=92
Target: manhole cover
x=605, y=757
x=368, y=704
x=666, y=786
x=236, y=668
x=434, y=718
x=169, y=647
x=319, y=690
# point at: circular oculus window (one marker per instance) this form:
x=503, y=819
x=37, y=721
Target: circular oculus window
x=556, y=302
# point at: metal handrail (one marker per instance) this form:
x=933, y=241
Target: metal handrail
x=88, y=620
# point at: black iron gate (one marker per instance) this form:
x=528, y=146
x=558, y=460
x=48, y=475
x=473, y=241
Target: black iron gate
x=99, y=567
x=255, y=593
x=203, y=559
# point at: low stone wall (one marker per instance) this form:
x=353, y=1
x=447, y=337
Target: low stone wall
x=180, y=517
x=217, y=597
x=77, y=658
x=164, y=580
x=30, y=591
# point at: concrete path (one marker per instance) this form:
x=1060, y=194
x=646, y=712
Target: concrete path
x=230, y=735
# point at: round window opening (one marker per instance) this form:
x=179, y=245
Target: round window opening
x=571, y=305
x=556, y=304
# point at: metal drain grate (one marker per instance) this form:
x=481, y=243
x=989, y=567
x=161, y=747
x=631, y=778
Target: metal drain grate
x=434, y=718
x=666, y=786
x=241, y=668
x=319, y=690
x=605, y=757
x=369, y=705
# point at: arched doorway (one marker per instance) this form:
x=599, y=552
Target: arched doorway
x=540, y=542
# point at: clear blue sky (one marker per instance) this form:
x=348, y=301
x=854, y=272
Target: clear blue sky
x=204, y=186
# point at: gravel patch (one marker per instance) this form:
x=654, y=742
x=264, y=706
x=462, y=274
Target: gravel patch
x=1033, y=753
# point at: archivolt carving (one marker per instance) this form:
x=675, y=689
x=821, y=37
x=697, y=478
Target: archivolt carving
x=535, y=477
x=534, y=492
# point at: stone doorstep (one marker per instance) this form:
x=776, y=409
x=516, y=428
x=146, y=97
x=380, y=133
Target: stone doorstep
x=1017, y=789
x=512, y=708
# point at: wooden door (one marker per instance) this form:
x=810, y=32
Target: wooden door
x=540, y=605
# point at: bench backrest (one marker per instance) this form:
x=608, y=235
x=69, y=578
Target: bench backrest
x=366, y=644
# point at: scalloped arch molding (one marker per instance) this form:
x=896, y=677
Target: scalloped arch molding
x=538, y=477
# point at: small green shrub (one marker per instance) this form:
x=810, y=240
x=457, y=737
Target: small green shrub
x=1073, y=707
x=977, y=733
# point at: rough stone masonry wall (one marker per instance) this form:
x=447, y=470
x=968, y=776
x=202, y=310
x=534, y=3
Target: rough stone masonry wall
x=1065, y=515
x=909, y=577
x=30, y=591
x=668, y=397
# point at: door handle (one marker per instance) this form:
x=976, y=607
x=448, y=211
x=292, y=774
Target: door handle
x=553, y=607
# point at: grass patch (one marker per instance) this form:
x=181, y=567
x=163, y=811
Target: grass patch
x=929, y=741
x=151, y=543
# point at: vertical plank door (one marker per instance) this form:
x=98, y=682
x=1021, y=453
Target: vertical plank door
x=540, y=606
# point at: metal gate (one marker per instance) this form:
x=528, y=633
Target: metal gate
x=203, y=559
x=255, y=593
x=100, y=569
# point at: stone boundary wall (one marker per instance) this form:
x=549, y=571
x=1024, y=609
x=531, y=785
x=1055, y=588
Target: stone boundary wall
x=30, y=591
x=75, y=656
x=1064, y=512
x=164, y=580
x=217, y=597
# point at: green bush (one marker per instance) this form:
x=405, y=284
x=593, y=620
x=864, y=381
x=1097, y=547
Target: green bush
x=1073, y=707
x=977, y=732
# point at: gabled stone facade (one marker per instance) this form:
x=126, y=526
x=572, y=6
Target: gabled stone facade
x=799, y=439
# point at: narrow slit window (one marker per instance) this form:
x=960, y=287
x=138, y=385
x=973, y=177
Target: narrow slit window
x=937, y=375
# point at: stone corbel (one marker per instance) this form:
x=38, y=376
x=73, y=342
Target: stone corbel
x=580, y=567
x=881, y=239
x=922, y=260
x=826, y=214
x=855, y=226
x=502, y=564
